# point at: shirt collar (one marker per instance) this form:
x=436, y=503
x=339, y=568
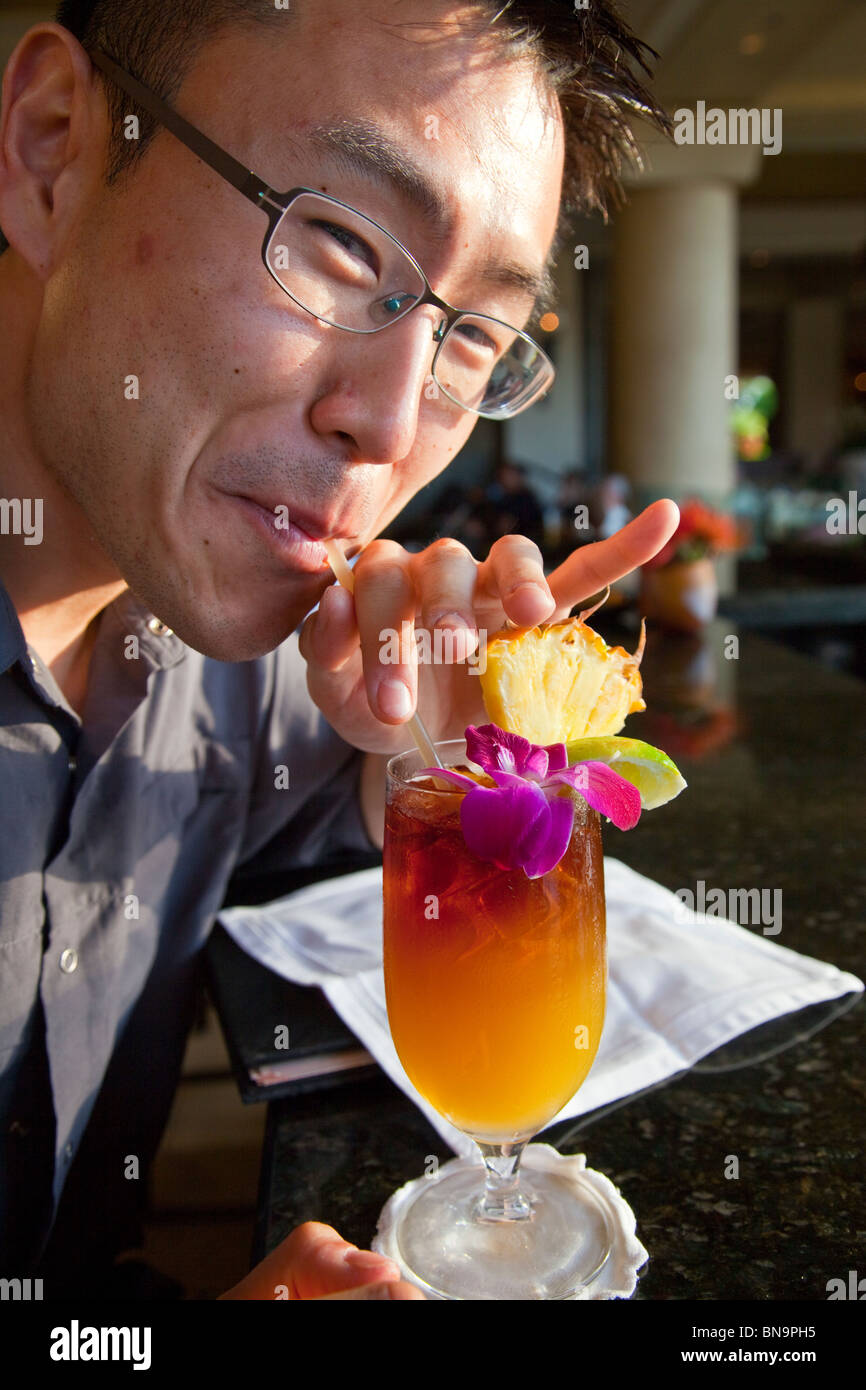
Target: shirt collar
x=13, y=646
x=161, y=646
x=129, y=617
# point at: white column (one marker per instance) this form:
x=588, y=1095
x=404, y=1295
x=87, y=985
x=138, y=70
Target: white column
x=674, y=320
x=673, y=340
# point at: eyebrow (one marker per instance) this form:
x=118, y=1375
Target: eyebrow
x=363, y=148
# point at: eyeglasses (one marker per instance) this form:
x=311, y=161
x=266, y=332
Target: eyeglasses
x=349, y=272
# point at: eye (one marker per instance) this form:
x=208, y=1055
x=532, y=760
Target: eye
x=349, y=241
x=474, y=335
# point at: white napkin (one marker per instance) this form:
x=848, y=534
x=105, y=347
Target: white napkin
x=680, y=983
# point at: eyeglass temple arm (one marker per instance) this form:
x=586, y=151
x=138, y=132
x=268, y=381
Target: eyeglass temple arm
x=243, y=179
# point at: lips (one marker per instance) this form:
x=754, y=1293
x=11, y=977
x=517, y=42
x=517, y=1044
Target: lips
x=316, y=528
x=291, y=548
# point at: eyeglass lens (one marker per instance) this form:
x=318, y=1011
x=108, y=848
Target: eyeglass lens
x=341, y=267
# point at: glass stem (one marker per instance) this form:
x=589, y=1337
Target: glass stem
x=502, y=1199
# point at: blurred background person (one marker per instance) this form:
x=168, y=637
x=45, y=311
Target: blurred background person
x=511, y=506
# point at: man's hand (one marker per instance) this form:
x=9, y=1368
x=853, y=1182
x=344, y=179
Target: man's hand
x=314, y=1262
x=367, y=700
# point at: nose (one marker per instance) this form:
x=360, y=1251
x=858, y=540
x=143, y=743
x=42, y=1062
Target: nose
x=375, y=386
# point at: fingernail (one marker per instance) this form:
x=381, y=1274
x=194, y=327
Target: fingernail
x=366, y=1259
x=335, y=602
x=460, y=641
x=394, y=699
x=454, y=620
x=529, y=587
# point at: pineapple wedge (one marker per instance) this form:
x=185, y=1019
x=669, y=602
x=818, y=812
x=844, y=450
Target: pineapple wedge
x=560, y=681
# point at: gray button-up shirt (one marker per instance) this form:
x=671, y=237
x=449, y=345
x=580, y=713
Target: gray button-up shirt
x=118, y=833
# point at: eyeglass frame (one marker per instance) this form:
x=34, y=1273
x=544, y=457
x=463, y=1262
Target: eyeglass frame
x=274, y=204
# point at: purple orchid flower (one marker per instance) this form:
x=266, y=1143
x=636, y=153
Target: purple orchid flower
x=525, y=822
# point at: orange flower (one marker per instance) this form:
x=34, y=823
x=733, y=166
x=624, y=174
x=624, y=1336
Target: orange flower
x=701, y=531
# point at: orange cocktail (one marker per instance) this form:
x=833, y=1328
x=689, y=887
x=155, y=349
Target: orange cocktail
x=495, y=982
x=495, y=970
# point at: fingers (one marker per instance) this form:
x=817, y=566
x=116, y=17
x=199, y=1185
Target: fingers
x=330, y=645
x=445, y=576
x=394, y=592
x=512, y=581
x=324, y=1263
x=330, y=636
x=314, y=1262
x=385, y=612
x=366, y=641
x=593, y=567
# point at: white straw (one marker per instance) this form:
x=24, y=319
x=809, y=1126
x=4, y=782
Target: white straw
x=337, y=561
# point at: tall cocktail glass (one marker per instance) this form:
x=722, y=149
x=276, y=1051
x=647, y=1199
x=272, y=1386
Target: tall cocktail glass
x=495, y=986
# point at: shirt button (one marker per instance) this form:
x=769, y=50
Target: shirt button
x=68, y=1152
x=158, y=628
x=72, y=762
x=69, y=960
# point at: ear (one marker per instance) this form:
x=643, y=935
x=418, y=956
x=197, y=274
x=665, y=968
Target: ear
x=53, y=127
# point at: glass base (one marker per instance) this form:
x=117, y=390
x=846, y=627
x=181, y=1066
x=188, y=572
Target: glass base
x=554, y=1253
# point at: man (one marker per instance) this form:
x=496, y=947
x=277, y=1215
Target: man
x=513, y=506
x=188, y=416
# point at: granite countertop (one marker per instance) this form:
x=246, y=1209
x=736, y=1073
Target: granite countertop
x=772, y=746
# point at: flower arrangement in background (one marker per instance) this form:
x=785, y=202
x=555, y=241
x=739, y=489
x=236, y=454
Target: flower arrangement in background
x=702, y=533
x=752, y=412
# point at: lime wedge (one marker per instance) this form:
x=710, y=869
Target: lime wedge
x=649, y=769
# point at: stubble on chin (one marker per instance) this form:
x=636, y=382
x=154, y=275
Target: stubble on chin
x=225, y=629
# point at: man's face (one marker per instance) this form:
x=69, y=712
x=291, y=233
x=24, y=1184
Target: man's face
x=247, y=403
